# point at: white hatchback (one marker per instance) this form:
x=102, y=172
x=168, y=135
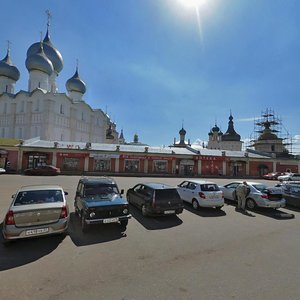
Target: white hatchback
x=201, y=193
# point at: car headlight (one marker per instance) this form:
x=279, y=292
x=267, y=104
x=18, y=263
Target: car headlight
x=125, y=211
x=92, y=214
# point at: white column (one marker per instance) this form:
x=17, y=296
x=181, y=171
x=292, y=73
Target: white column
x=54, y=158
x=224, y=167
x=146, y=166
x=199, y=167
x=86, y=163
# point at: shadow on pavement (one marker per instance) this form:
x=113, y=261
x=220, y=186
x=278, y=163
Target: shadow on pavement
x=98, y=233
x=274, y=213
x=267, y=212
x=155, y=223
x=293, y=208
x=205, y=211
x=21, y=252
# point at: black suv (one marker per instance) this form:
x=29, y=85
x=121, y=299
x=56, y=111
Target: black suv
x=155, y=199
x=98, y=200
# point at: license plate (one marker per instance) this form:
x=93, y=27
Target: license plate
x=111, y=220
x=167, y=212
x=36, y=231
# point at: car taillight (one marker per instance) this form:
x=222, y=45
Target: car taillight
x=222, y=194
x=64, y=213
x=265, y=196
x=202, y=195
x=9, y=218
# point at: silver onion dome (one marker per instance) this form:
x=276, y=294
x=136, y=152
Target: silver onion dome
x=75, y=84
x=8, y=69
x=39, y=61
x=52, y=53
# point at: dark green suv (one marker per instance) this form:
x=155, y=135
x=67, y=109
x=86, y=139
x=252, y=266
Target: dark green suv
x=98, y=200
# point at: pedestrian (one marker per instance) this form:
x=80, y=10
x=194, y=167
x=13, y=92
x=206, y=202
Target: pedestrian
x=242, y=191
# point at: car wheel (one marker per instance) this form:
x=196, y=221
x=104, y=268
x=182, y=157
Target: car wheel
x=144, y=211
x=76, y=211
x=219, y=207
x=84, y=225
x=124, y=224
x=195, y=204
x=250, y=203
x=128, y=199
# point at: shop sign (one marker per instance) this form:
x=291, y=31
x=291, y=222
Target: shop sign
x=72, y=154
x=209, y=158
x=103, y=156
x=187, y=162
x=147, y=157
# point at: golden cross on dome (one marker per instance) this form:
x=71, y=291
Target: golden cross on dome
x=49, y=16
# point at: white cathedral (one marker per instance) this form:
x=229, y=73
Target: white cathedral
x=42, y=111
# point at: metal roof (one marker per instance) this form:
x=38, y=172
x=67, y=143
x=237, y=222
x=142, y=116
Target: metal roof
x=166, y=150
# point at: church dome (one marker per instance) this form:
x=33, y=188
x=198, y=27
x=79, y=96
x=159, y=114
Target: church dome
x=182, y=131
x=8, y=69
x=230, y=135
x=39, y=61
x=75, y=84
x=215, y=129
x=51, y=52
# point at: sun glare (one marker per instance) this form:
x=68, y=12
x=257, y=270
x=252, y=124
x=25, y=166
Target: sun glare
x=192, y=3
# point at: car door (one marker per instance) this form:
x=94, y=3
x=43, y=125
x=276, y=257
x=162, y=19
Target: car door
x=229, y=190
x=140, y=195
x=191, y=191
x=137, y=195
x=79, y=196
x=132, y=194
x=183, y=190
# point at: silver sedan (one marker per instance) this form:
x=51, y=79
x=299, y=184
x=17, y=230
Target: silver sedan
x=260, y=195
x=36, y=211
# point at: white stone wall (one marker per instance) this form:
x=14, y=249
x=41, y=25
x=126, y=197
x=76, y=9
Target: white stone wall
x=51, y=116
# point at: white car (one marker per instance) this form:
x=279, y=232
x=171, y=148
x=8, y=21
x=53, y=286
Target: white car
x=2, y=171
x=289, y=177
x=260, y=195
x=201, y=193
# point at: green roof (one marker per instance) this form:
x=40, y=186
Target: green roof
x=9, y=142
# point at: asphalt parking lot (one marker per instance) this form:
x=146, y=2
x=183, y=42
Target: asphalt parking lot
x=203, y=254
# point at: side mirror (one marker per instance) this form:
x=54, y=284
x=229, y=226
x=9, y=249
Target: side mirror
x=13, y=195
x=66, y=193
x=122, y=191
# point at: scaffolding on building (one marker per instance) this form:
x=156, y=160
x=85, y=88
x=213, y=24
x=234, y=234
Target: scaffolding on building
x=268, y=118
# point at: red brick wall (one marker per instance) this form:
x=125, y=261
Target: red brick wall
x=211, y=167
x=285, y=167
x=254, y=167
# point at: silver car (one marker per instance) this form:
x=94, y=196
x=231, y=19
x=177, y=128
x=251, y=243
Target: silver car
x=260, y=195
x=36, y=211
x=289, y=177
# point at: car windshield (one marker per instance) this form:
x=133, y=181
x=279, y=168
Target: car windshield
x=100, y=191
x=167, y=194
x=260, y=187
x=209, y=187
x=38, y=197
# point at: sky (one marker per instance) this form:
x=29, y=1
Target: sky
x=157, y=65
